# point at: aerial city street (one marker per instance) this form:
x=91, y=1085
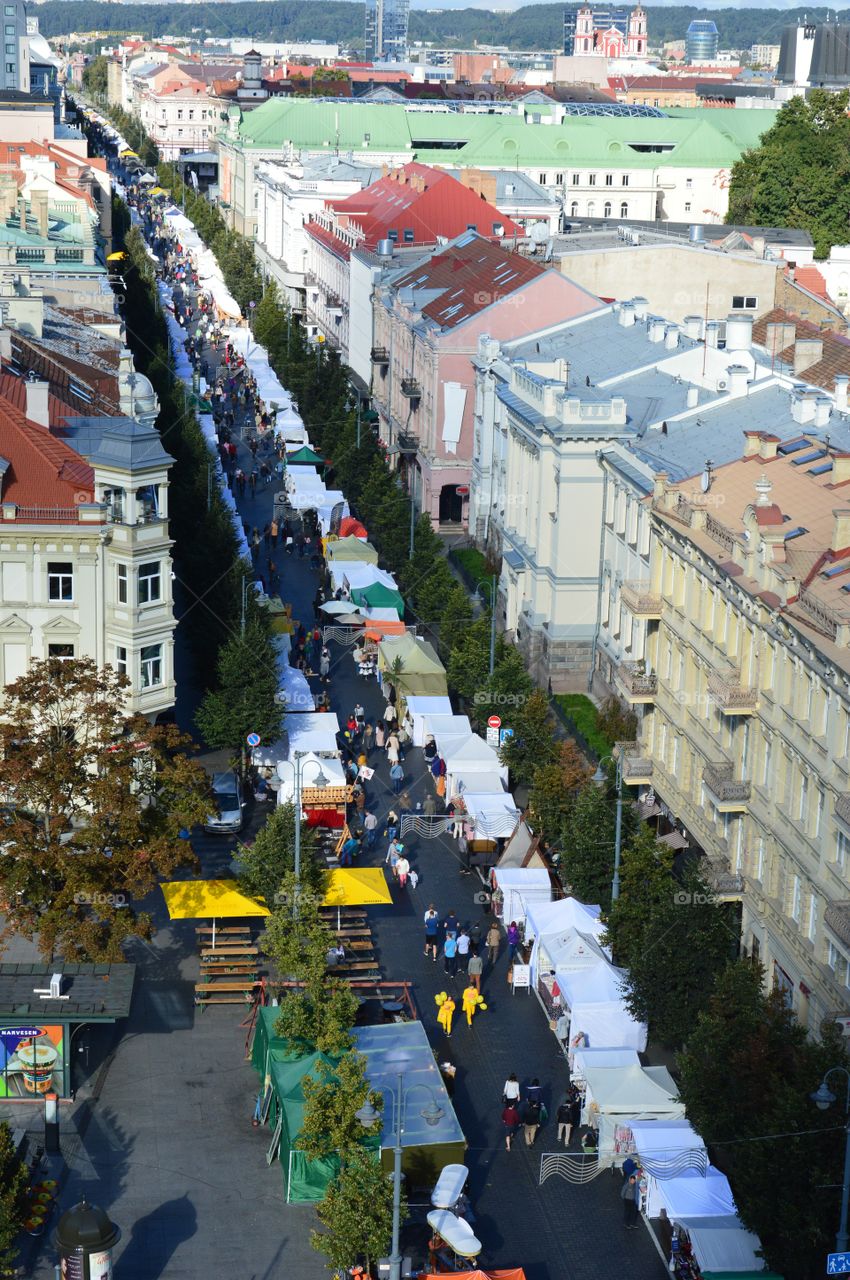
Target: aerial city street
x=424, y=642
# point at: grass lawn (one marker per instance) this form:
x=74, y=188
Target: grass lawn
x=585, y=717
x=473, y=563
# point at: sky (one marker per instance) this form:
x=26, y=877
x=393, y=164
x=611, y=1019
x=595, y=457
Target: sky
x=498, y=6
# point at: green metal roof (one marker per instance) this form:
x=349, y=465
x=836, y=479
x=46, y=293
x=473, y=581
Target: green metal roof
x=700, y=137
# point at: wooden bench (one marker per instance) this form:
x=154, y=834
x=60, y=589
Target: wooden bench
x=229, y=953
x=346, y=915
x=240, y=932
x=356, y=931
x=224, y=992
x=223, y=969
x=365, y=944
x=355, y=966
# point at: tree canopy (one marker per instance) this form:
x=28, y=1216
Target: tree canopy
x=243, y=700
x=799, y=175
x=97, y=803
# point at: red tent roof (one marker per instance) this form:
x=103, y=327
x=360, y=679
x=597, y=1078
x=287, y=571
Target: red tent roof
x=351, y=528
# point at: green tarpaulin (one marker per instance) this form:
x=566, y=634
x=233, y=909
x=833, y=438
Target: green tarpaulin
x=377, y=596
x=305, y=455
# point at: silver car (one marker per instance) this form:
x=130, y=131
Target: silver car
x=229, y=815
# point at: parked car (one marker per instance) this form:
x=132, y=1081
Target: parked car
x=230, y=804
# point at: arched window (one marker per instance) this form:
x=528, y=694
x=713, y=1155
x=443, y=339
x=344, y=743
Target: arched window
x=624, y=209
x=574, y=209
x=591, y=208
x=607, y=209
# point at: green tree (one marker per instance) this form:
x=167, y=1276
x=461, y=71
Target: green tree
x=244, y=700
x=672, y=937
x=746, y=1076
x=357, y=1213
x=455, y=618
x=553, y=790
x=332, y=1098
x=533, y=742
x=320, y=1016
x=616, y=722
x=95, y=77
x=587, y=862
x=264, y=863
x=296, y=937
x=14, y=1184
x=97, y=802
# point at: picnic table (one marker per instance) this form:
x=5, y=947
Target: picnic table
x=239, y=968
x=240, y=932
x=229, y=953
x=225, y=992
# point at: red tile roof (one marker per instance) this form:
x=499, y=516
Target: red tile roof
x=810, y=278
x=836, y=349
x=43, y=471
x=14, y=391
x=419, y=200
x=471, y=276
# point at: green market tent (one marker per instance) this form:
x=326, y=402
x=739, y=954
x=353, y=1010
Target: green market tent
x=351, y=549
x=412, y=666
x=305, y=455
x=283, y=1066
x=377, y=596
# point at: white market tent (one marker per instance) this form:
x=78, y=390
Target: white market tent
x=617, y=1095
x=472, y=756
x=581, y=1059
x=566, y=913
x=723, y=1244
x=595, y=1000
x=311, y=766
x=520, y=886
x=418, y=707
x=446, y=730
x=693, y=1194
x=487, y=783
x=313, y=731
x=293, y=689
x=668, y=1146
x=492, y=816
x=353, y=575
x=564, y=952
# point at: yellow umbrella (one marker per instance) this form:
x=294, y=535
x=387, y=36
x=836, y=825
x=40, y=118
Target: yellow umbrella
x=128, y=152
x=356, y=887
x=116, y=257
x=210, y=900
x=158, y=191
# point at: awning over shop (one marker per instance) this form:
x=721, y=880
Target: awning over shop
x=566, y=913
x=305, y=456
x=596, y=1001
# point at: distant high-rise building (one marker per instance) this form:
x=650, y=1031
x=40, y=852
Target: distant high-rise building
x=817, y=55
x=386, y=30
x=613, y=33
x=702, y=41
x=15, y=67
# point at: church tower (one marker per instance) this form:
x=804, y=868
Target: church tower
x=584, y=30
x=636, y=43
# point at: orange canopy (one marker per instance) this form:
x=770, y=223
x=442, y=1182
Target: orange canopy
x=351, y=528
x=513, y=1273
x=377, y=630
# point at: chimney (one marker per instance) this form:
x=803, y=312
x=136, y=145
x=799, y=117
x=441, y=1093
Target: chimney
x=823, y=411
x=752, y=447
x=840, y=468
x=627, y=315
x=778, y=336
x=671, y=337
x=693, y=397
x=840, y=530
x=641, y=305
x=693, y=327
x=803, y=405
x=37, y=410
x=656, y=329
x=39, y=208
x=807, y=351
x=739, y=332
x=841, y=381
x=737, y=378
x=767, y=447
x=712, y=333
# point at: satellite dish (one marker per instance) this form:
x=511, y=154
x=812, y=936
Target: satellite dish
x=539, y=233
x=705, y=481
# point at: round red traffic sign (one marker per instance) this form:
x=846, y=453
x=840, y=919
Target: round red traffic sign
x=494, y=722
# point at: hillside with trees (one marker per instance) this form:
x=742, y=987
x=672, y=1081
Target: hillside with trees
x=538, y=26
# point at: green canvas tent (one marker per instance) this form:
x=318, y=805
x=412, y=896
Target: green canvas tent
x=351, y=549
x=305, y=455
x=377, y=596
x=412, y=666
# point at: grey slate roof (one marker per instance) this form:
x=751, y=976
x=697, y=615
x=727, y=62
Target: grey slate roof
x=96, y=992
x=115, y=442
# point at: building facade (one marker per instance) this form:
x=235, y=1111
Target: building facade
x=702, y=42
x=16, y=56
x=386, y=30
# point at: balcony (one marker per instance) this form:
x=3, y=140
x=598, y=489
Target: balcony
x=730, y=694
x=407, y=443
x=380, y=355
x=411, y=388
x=333, y=302
x=842, y=811
x=637, y=768
x=728, y=885
x=636, y=685
x=640, y=601
x=728, y=793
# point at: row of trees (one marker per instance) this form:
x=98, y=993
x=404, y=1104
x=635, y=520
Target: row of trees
x=319, y=1014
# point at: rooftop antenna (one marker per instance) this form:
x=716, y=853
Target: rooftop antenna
x=705, y=481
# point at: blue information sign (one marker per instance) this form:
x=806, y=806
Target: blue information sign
x=838, y=1264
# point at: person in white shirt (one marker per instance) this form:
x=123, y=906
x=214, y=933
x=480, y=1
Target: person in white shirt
x=389, y=713
x=463, y=945
x=510, y=1093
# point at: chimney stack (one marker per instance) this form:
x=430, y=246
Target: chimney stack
x=767, y=447
x=752, y=446
x=840, y=468
x=778, y=336
x=841, y=381
x=37, y=404
x=840, y=530
x=807, y=351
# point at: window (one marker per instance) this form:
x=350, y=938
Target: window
x=392, y=234
x=591, y=208
x=149, y=582
x=796, y=898
x=842, y=848
x=121, y=660
x=60, y=651
x=559, y=179
x=812, y=918
x=122, y=584
x=819, y=808
x=833, y=956
x=60, y=581
x=803, y=809
x=408, y=235
x=576, y=179
x=151, y=665
x=541, y=178
x=689, y=182
x=744, y=302
x=574, y=209
x=191, y=115
x=180, y=113
x=609, y=179
x=472, y=226
x=10, y=68
x=591, y=179
x=768, y=752
x=9, y=11
x=687, y=206
x=625, y=180
x=10, y=30
x=606, y=209
x=624, y=209
x=179, y=133
x=10, y=48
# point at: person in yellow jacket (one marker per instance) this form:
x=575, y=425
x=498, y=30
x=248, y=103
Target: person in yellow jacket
x=472, y=1000
x=446, y=1007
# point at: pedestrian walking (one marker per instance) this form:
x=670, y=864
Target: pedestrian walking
x=534, y=1092
x=510, y=1092
x=531, y=1121
x=471, y=1003
x=494, y=939
x=267, y=536
x=402, y=868
x=368, y=736
x=513, y=940
x=273, y=530
x=397, y=776
x=450, y=954
x=393, y=754
x=325, y=665
x=463, y=945
x=450, y=923
x=511, y=1121
x=380, y=735
x=370, y=826
x=446, y=1007
x=630, y=1196
x=404, y=802
x=432, y=931
x=475, y=968
x=565, y=1126
x=389, y=713
x=253, y=483
x=575, y=1109
x=394, y=852
x=413, y=878
x=429, y=806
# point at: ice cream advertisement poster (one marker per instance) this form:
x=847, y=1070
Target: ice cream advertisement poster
x=31, y=1061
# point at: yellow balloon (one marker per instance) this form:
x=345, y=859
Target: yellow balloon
x=483, y=1006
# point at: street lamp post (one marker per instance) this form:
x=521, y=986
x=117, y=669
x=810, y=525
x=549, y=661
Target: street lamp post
x=599, y=778
x=321, y=781
x=432, y=1114
x=823, y=1098
x=493, y=589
